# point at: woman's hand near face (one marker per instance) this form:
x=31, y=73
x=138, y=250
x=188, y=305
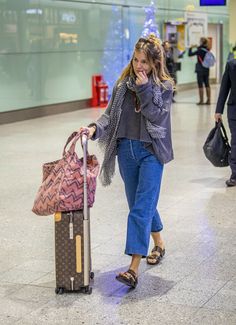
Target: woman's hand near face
x=142, y=78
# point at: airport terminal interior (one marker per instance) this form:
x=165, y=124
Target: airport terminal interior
x=47, y=62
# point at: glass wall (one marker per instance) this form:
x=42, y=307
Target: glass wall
x=50, y=49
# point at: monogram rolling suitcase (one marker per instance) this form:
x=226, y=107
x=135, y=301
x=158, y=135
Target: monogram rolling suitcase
x=72, y=245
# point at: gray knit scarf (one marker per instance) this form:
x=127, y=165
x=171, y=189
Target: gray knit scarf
x=108, y=141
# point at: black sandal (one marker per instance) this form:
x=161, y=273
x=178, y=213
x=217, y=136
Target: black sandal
x=156, y=255
x=128, y=278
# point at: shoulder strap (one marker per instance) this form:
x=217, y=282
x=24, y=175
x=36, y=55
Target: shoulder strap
x=205, y=50
x=200, y=59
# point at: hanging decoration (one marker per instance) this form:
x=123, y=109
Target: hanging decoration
x=112, y=60
x=150, y=25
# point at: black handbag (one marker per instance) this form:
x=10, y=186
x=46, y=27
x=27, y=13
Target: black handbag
x=216, y=147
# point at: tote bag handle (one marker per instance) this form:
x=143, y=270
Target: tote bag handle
x=75, y=136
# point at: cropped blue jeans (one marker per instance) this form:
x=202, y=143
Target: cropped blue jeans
x=142, y=173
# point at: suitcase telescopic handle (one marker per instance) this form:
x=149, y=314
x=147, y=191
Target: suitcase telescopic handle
x=85, y=150
x=87, y=258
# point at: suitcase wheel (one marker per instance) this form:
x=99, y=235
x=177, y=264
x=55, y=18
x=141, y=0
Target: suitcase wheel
x=92, y=275
x=59, y=291
x=88, y=290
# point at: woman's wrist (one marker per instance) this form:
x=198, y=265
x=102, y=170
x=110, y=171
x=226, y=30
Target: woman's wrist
x=143, y=87
x=94, y=127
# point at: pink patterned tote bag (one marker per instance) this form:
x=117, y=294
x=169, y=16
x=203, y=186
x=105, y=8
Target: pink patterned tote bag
x=62, y=188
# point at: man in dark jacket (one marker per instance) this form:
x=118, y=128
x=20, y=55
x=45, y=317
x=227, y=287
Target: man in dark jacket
x=228, y=87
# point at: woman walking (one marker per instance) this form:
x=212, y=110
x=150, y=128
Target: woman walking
x=136, y=127
x=201, y=71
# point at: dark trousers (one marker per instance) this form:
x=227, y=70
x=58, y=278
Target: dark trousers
x=232, y=159
x=203, y=78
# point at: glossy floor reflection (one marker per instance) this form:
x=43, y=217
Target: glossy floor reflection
x=195, y=282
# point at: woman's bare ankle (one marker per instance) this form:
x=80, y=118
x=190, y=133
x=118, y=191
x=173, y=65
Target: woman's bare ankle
x=159, y=243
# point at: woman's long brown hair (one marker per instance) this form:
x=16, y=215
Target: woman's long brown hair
x=153, y=49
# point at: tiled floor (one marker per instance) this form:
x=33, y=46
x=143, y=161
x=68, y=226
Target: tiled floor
x=194, y=284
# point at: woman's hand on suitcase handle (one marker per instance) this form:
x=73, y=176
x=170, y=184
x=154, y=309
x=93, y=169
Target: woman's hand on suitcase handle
x=91, y=129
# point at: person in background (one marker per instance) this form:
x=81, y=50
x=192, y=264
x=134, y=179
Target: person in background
x=171, y=65
x=136, y=127
x=201, y=71
x=228, y=87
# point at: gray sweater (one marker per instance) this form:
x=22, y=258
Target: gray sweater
x=155, y=103
x=130, y=125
